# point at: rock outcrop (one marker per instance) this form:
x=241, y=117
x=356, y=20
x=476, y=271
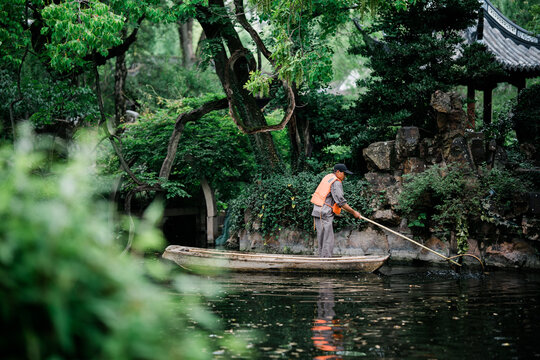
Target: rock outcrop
x=410, y=153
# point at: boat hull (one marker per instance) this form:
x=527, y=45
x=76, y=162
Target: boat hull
x=197, y=258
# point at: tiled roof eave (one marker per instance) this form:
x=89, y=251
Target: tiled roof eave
x=507, y=27
x=514, y=57
x=523, y=69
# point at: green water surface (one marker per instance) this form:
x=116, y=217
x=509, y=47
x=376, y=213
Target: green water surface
x=403, y=313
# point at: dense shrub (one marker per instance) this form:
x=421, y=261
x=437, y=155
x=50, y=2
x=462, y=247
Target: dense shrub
x=66, y=291
x=46, y=101
x=211, y=147
x=445, y=199
x=416, y=57
x=284, y=201
x=527, y=117
x=332, y=124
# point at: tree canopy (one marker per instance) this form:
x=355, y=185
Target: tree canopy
x=69, y=64
x=416, y=56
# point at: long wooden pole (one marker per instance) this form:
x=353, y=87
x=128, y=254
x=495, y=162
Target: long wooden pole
x=411, y=240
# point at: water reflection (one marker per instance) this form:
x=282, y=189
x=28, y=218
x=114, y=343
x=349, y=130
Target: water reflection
x=406, y=313
x=327, y=330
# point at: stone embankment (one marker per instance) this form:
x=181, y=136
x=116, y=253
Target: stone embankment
x=410, y=152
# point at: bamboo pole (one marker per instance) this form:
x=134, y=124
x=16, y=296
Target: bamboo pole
x=408, y=239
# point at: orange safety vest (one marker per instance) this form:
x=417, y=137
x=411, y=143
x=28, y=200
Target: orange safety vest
x=324, y=188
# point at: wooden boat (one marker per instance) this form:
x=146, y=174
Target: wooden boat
x=193, y=258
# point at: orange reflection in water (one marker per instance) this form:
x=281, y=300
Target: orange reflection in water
x=327, y=331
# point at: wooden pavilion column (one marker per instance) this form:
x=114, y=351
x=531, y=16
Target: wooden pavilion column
x=488, y=109
x=471, y=106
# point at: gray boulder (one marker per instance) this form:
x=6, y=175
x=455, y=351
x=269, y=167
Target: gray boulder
x=407, y=142
x=380, y=155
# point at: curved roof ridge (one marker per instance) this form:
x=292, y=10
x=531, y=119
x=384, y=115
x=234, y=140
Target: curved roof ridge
x=507, y=27
x=516, y=49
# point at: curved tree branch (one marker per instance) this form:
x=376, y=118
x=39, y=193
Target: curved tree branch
x=119, y=49
x=241, y=17
x=102, y=121
x=19, y=92
x=123, y=162
x=167, y=163
x=290, y=94
x=181, y=121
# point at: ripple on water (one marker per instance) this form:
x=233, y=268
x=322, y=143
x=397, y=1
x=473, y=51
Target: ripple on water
x=403, y=313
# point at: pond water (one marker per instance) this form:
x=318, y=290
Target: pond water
x=404, y=312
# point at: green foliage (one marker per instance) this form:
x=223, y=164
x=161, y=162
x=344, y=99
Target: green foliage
x=280, y=137
x=462, y=235
x=14, y=38
x=297, y=33
x=67, y=34
x=502, y=128
x=340, y=153
x=312, y=66
x=298, y=41
x=348, y=69
x=534, y=23
x=338, y=130
x=165, y=79
x=258, y=83
x=377, y=128
x=302, y=30
x=78, y=30
x=524, y=13
x=67, y=292
x=212, y=148
x=476, y=66
x=448, y=199
x=60, y=38
x=414, y=59
x=158, y=72
x=419, y=221
x=279, y=202
x=527, y=117
x=502, y=186
x=209, y=48
x=46, y=101
x=332, y=124
x=58, y=101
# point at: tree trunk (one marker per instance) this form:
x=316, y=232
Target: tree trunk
x=244, y=104
x=185, y=30
x=198, y=49
x=300, y=139
x=120, y=74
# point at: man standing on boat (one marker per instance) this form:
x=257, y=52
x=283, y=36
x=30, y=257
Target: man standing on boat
x=328, y=200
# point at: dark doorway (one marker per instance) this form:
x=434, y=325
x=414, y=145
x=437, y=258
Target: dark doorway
x=181, y=230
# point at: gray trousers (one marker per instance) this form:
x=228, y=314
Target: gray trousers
x=325, y=235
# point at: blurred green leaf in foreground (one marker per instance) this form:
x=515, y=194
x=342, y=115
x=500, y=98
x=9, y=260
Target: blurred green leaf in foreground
x=66, y=292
